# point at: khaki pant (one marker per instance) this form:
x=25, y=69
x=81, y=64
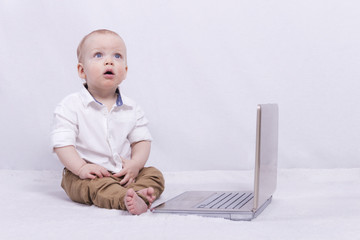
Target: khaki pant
x=107, y=192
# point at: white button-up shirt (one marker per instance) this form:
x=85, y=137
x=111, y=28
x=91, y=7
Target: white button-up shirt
x=99, y=136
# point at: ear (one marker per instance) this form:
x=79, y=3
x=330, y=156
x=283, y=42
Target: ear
x=126, y=70
x=81, y=71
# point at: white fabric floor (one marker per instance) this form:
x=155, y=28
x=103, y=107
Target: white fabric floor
x=308, y=204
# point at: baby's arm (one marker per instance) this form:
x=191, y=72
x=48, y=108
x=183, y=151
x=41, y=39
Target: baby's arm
x=140, y=152
x=72, y=161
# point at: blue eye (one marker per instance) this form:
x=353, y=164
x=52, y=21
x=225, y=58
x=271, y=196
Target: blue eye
x=117, y=55
x=98, y=55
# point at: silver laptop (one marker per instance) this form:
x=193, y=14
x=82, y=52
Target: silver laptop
x=238, y=205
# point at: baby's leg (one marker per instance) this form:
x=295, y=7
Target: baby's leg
x=134, y=204
x=108, y=193
x=149, y=184
x=103, y=192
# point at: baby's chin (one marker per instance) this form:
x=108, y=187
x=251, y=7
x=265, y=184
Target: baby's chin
x=111, y=83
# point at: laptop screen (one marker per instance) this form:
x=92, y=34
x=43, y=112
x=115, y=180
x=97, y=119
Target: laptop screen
x=266, y=153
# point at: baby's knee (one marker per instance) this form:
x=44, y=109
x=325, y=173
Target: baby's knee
x=153, y=178
x=153, y=172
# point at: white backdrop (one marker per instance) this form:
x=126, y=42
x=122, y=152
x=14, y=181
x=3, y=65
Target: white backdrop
x=198, y=69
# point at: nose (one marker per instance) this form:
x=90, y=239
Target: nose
x=108, y=61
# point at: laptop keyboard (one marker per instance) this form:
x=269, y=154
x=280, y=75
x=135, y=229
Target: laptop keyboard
x=229, y=200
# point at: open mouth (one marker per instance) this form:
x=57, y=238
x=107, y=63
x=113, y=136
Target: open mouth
x=109, y=72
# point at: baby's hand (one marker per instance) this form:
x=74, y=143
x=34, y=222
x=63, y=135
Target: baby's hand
x=130, y=171
x=92, y=171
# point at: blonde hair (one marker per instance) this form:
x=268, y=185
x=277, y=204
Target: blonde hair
x=99, y=31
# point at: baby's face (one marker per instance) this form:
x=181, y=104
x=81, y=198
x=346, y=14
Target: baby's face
x=103, y=64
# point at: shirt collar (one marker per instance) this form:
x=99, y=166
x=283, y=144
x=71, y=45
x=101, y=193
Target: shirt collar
x=88, y=98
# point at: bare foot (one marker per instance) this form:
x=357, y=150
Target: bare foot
x=148, y=193
x=134, y=204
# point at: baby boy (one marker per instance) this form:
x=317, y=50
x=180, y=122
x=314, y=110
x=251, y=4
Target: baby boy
x=101, y=136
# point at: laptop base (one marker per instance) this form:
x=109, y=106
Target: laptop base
x=246, y=213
